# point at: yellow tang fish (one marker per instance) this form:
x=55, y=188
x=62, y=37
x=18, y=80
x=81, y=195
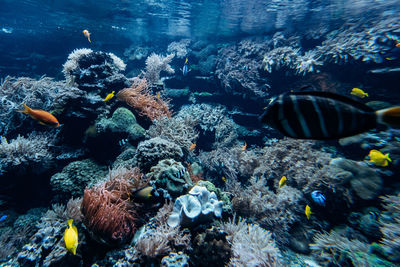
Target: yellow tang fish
x=87, y=35
x=223, y=179
x=109, y=96
x=308, y=212
x=71, y=237
x=358, y=92
x=378, y=158
x=282, y=181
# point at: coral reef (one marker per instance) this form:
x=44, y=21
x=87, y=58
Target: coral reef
x=179, y=49
x=74, y=177
x=198, y=206
x=151, y=151
x=180, y=131
x=175, y=259
x=136, y=53
x=365, y=181
x=22, y=153
x=139, y=97
x=122, y=122
x=251, y=245
x=155, y=64
x=391, y=227
x=95, y=71
x=108, y=214
x=170, y=176
x=46, y=247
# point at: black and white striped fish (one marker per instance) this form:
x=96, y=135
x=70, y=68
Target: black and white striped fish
x=324, y=115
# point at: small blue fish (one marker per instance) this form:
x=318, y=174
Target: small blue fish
x=245, y=68
x=318, y=198
x=185, y=70
x=2, y=218
x=123, y=142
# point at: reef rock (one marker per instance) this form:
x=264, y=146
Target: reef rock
x=122, y=122
x=366, y=182
x=171, y=176
x=196, y=207
x=73, y=179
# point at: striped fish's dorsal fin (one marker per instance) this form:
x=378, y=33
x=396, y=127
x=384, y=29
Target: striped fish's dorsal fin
x=336, y=97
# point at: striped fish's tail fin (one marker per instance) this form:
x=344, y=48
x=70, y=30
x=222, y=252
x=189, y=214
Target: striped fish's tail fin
x=389, y=116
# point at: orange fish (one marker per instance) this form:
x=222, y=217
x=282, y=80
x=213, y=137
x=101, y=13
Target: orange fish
x=192, y=147
x=87, y=35
x=158, y=95
x=44, y=117
x=244, y=147
x=398, y=45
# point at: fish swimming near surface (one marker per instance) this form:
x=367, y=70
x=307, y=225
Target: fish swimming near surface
x=87, y=35
x=44, y=117
x=109, y=96
x=282, y=181
x=308, y=212
x=71, y=237
x=324, y=115
x=318, y=197
x=378, y=158
x=2, y=218
x=358, y=92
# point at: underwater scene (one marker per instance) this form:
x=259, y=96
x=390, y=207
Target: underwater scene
x=200, y=133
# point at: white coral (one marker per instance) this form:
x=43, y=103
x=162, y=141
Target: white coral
x=117, y=62
x=155, y=64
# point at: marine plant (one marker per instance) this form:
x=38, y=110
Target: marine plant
x=155, y=64
x=251, y=245
x=139, y=97
x=108, y=214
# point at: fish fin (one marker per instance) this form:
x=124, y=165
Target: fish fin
x=337, y=97
x=387, y=157
x=70, y=221
x=75, y=230
x=26, y=109
x=366, y=94
x=73, y=250
x=389, y=116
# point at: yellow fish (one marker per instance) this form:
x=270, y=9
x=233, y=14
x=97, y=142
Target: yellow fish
x=109, y=96
x=282, y=181
x=244, y=147
x=87, y=35
x=158, y=95
x=378, y=158
x=358, y=92
x=308, y=212
x=71, y=237
x=223, y=179
x=143, y=193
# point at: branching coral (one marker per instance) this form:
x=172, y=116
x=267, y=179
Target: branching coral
x=159, y=238
x=23, y=152
x=108, y=213
x=180, y=49
x=335, y=248
x=251, y=245
x=180, y=131
x=276, y=211
x=391, y=228
x=155, y=64
x=139, y=97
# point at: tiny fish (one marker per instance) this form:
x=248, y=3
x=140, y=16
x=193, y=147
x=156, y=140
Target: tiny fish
x=318, y=197
x=143, y=193
x=71, y=237
x=324, y=115
x=244, y=147
x=87, y=35
x=308, y=212
x=185, y=68
x=223, y=179
x=44, y=117
x=378, y=158
x=282, y=181
x=158, y=95
x=3, y=218
x=192, y=147
x=123, y=142
x=109, y=96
